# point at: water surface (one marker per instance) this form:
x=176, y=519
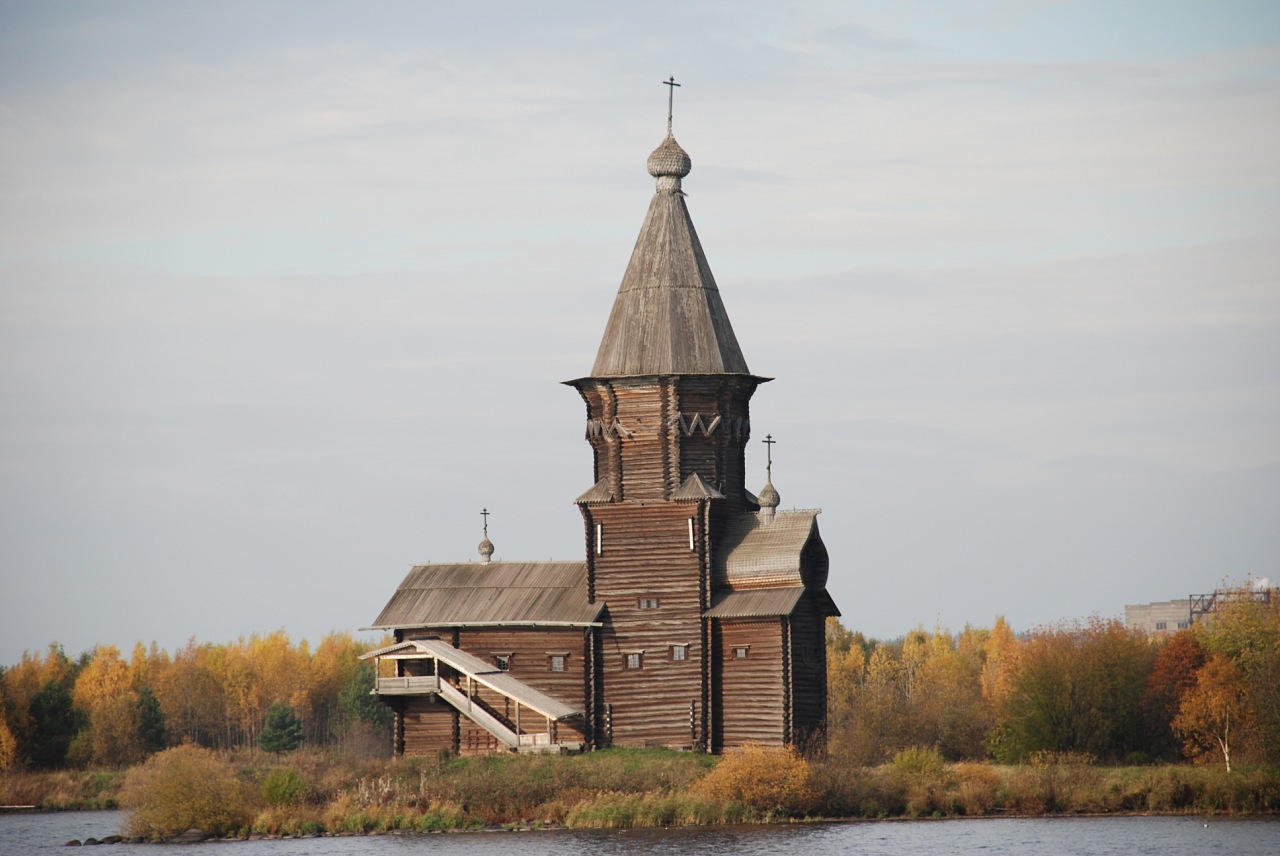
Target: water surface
x=1121, y=836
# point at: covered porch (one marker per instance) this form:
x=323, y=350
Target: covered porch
x=520, y=717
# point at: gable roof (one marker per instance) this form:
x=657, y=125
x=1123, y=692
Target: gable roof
x=668, y=317
x=492, y=593
x=787, y=551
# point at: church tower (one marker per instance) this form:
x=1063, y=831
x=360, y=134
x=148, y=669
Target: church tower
x=668, y=420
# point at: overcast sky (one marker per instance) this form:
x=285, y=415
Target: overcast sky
x=287, y=289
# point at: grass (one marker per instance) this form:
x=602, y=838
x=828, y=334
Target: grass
x=307, y=793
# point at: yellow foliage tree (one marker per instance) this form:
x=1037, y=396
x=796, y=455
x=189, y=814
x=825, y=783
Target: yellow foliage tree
x=106, y=693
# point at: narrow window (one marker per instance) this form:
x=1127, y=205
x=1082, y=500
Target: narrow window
x=599, y=538
x=635, y=660
x=557, y=662
x=679, y=652
x=691, y=544
x=647, y=603
x=740, y=652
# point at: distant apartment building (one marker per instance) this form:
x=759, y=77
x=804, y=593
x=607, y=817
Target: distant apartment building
x=1160, y=618
x=1169, y=616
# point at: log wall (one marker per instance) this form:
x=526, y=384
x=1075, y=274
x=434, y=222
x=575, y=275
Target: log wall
x=645, y=558
x=751, y=693
x=429, y=725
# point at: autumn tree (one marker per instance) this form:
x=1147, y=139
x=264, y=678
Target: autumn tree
x=1245, y=629
x=1213, y=712
x=1075, y=688
x=1172, y=675
x=105, y=692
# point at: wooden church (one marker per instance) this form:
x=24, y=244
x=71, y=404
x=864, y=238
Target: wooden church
x=696, y=620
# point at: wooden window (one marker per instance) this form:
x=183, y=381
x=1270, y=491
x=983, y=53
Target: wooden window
x=557, y=661
x=503, y=661
x=1162, y=625
x=635, y=660
x=679, y=652
x=1183, y=625
x=647, y=603
x=692, y=545
x=740, y=652
x=599, y=538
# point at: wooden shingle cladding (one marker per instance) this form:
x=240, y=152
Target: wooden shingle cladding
x=490, y=593
x=668, y=317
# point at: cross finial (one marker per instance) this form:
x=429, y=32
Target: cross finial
x=768, y=446
x=484, y=512
x=671, y=100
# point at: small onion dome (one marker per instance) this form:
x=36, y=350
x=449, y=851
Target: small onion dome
x=669, y=163
x=486, y=549
x=769, y=496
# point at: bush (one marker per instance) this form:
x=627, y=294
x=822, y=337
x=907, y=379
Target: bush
x=186, y=788
x=284, y=787
x=764, y=779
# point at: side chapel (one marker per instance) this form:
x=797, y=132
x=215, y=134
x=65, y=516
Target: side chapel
x=696, y=620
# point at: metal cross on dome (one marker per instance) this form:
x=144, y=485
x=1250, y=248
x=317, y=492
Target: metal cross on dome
x=671, y=99
x=768, y=446
x=484, y=512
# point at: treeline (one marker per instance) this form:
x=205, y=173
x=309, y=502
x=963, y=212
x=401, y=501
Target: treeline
x=1090, y=691
x=106, y=709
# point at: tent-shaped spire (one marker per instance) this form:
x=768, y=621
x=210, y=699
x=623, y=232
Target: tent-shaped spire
x=668, y=317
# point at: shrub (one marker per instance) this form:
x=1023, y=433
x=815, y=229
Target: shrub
x=764, y=779
x=185, y=788
x=284, y=787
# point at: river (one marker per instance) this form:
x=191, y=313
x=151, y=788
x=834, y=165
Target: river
x=1121, y=836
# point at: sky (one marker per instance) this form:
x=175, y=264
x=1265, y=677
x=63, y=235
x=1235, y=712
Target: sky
x=287, y=291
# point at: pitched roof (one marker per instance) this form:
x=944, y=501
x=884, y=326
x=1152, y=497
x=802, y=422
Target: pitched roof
x=696, y=487
x=668, y=317
x=786, y=551
x=454, y=595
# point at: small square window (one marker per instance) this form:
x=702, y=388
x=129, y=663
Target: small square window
x=740, y=652
x=647, y=603
x=503, y=661
x=557, y=662
x=635, y=660
x=679, y=652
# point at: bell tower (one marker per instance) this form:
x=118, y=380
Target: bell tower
x=668, y=420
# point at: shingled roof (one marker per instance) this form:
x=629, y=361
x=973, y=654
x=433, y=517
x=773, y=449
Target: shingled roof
x=786, y=551
x=494, y=593
x=668, y=317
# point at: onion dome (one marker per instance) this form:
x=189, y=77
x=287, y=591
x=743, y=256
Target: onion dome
x=769, y=496
x=669, y=163
x=486, y=546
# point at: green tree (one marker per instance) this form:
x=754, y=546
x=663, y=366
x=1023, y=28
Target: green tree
x=150, y=720
x=283, y=729
x=356, y=701
x=54, y=723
